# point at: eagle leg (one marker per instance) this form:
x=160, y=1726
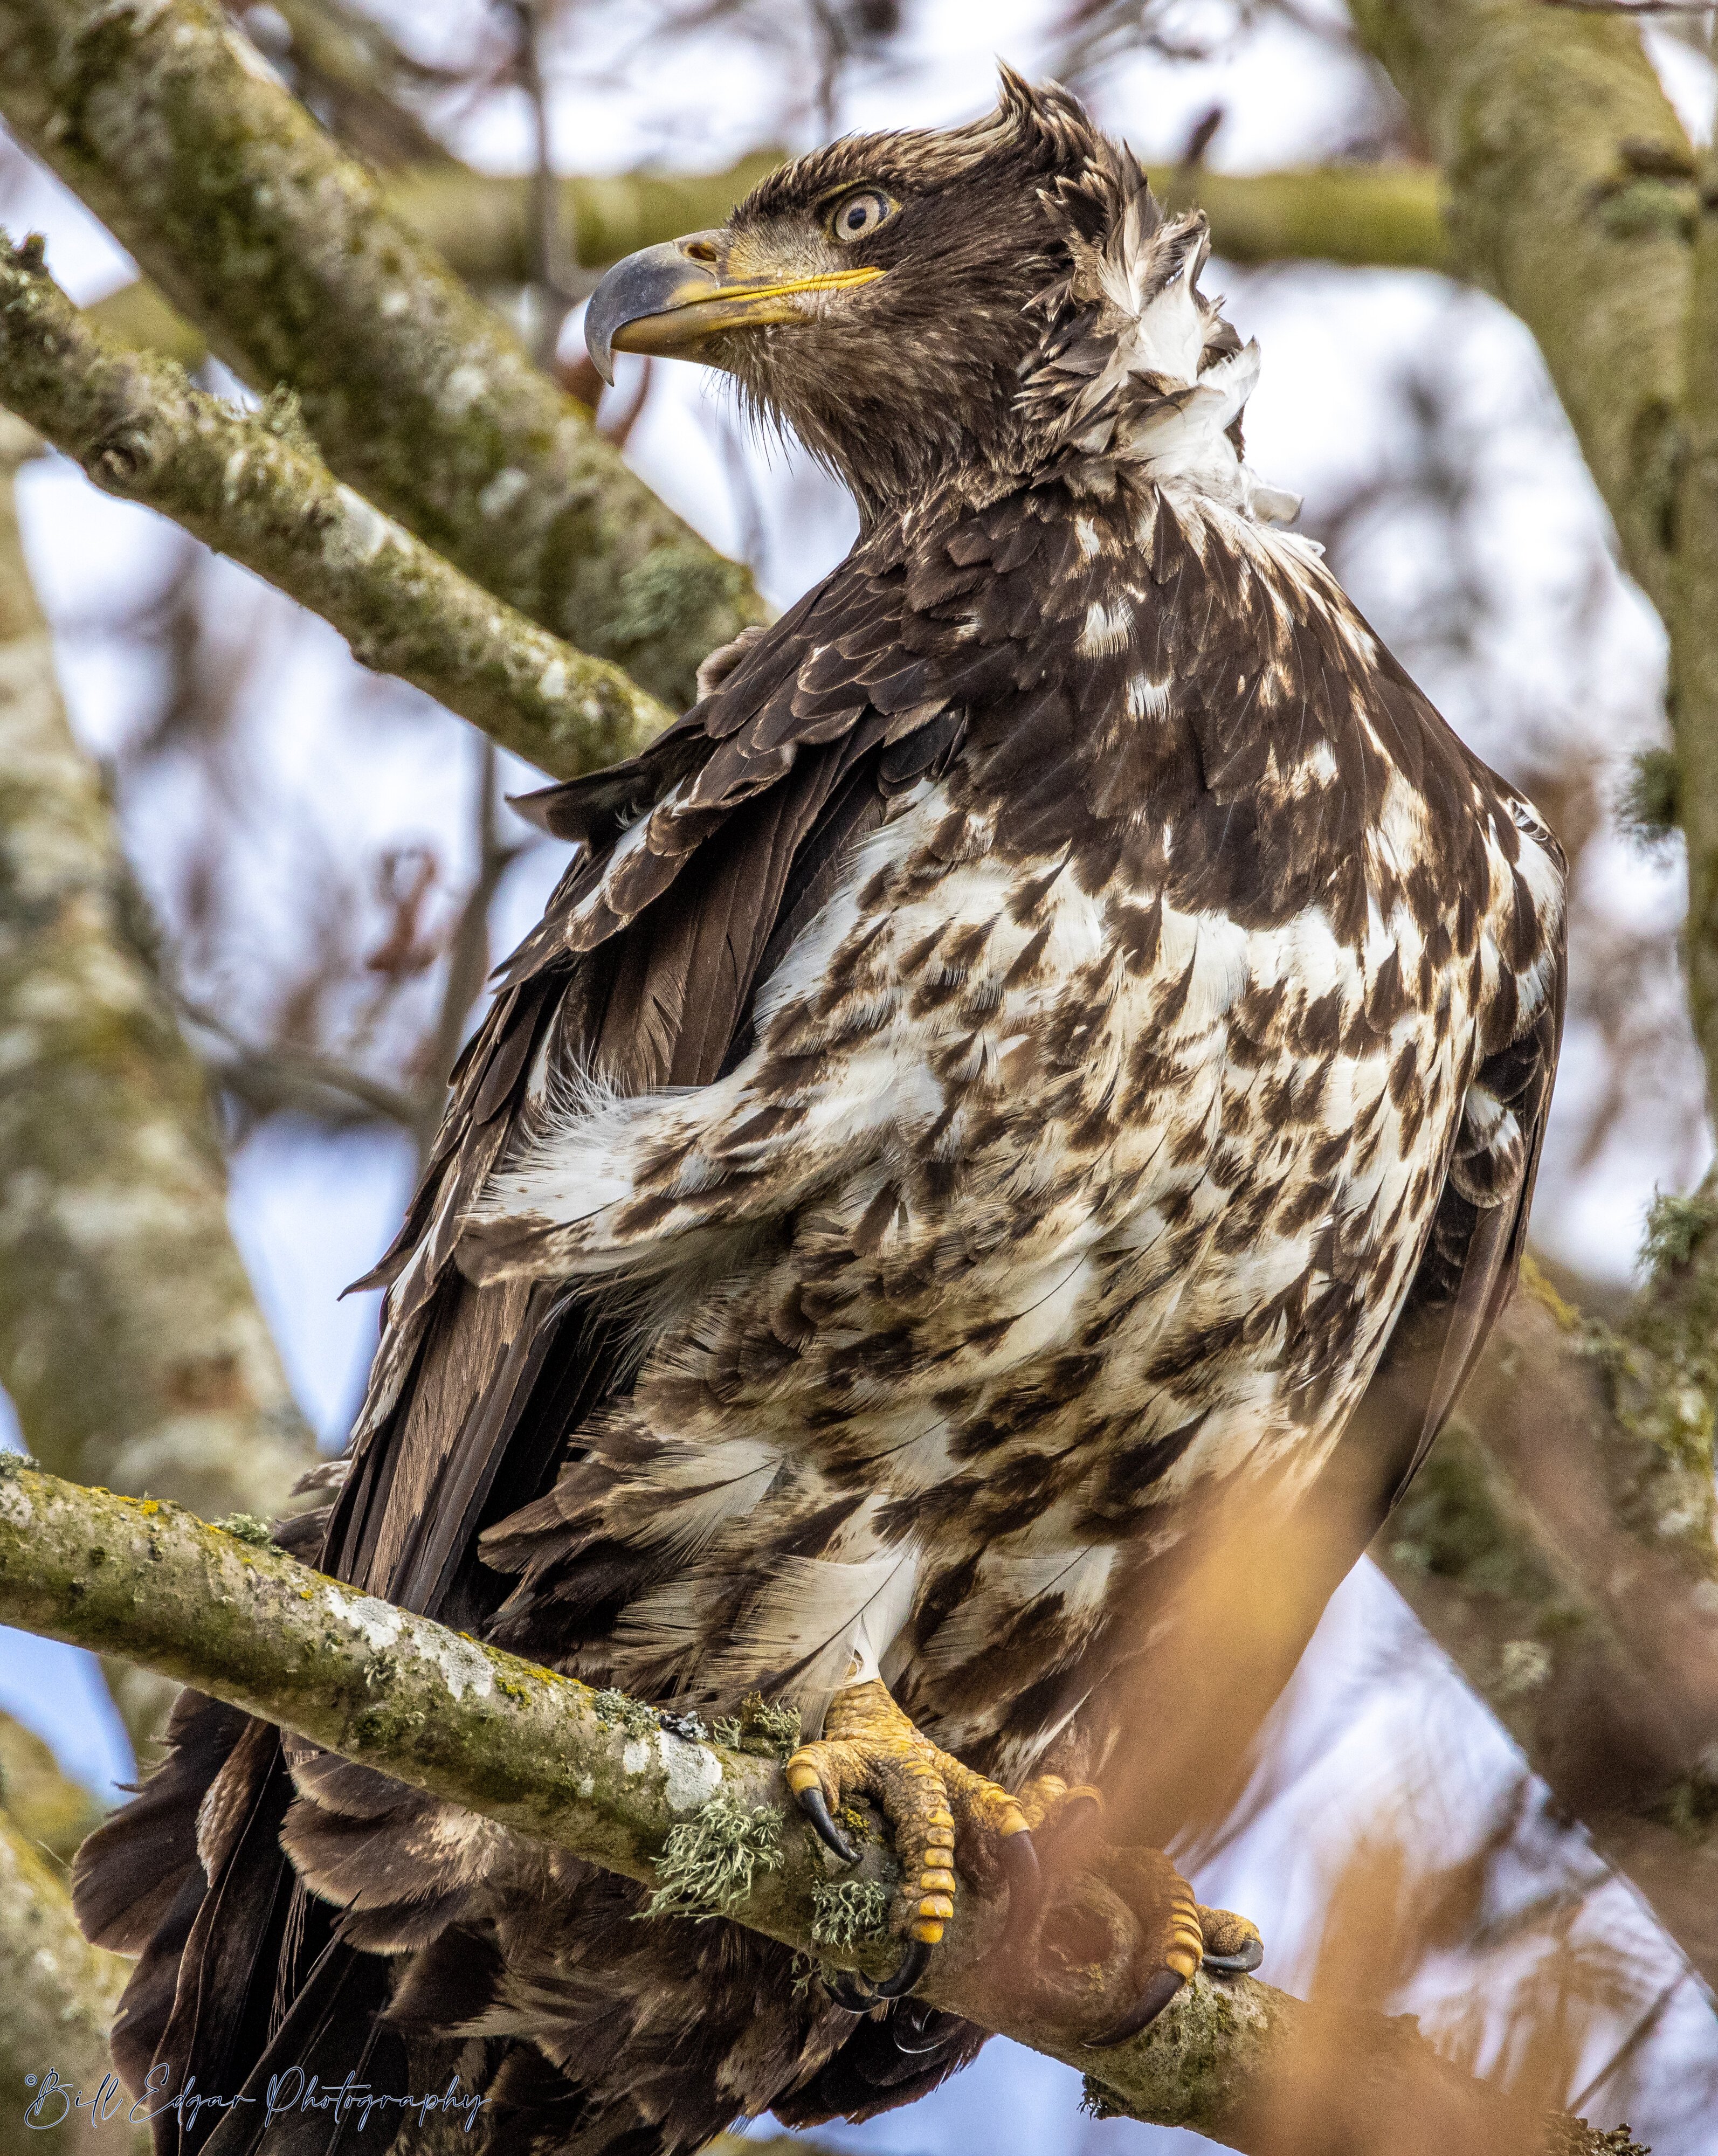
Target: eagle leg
x=870, y=1748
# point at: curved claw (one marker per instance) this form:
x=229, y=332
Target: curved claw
x=1162, y=1987
x=913, y=1965
x=815, y=1807
x=1242, y=1963
x=849, y=1992
x=1019, y=1863
x=915, y=2020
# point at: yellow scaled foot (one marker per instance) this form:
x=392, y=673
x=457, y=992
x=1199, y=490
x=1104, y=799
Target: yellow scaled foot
x=870, y=1748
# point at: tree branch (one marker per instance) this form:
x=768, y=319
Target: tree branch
x=1693, y=631
x=1375, y=216
x=1380, y=217
x=57, y=1999
x=1559, y=1545
x=546, y=1756
x=281, y=250
x=130, y=1341
x=1569, y=195
x=1562, y=1543
x=252, y=486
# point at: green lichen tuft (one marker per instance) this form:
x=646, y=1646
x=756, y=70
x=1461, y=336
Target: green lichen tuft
x=1677, y=1229
x=283, y=415
x=1574, y=2137
x=762, y=1726
x=844, y=1914
x=246, y=1527
x=1096, y=2101
x=1661, y=1367
x=710, y=1862
x=631, y=1714
x=1648, y=809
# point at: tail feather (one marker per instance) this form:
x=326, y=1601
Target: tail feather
x=335, y=2027
x=132, y=1870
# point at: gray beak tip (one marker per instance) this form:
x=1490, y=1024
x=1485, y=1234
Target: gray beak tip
x=598, y=351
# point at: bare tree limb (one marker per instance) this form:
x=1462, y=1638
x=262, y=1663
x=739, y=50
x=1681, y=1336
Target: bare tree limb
x=282, y=251
x=57, y=1999
x=1380, y=217
x=1376, y=216
x=546, y=1756
x=349, y=70
x=1559, y=1545
x=130, y=1341
x=1570, y=192
x=252, y=486
x=1694, y=639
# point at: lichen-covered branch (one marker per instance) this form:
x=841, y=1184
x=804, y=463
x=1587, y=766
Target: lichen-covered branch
x=253, y=484
x=1694, y=624
x=130, y=1341
x=1378, y=217
x=57, y=1999
x=1559, y=1544
x=57, y=1993
x=1366, y=216
x=1569, y=192
x=281, y=250
x=590, y=1772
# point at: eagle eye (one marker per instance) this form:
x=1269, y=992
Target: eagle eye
x=857, y=216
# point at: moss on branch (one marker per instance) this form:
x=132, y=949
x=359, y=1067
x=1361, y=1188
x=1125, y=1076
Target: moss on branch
x=1569, y=191
x=281, y=250
x=57, y=1999
x=528, y=1748
x=1693, y=629
x=1380, y=217
x=1559, y=1545
x=131, y=1344
x=1365, y=216
x=252, y=484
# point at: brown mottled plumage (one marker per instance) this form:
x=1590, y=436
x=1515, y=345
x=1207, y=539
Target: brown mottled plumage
x=1001, y=1072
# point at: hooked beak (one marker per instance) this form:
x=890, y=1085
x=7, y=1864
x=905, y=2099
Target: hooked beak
x=670, y=298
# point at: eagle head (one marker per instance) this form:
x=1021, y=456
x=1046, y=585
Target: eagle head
x=917, y=305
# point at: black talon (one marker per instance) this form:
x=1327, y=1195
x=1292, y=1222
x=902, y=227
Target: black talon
x=1024, y=1874
x=914, y=2020
x=913, y=1965
x=815, y=1807
x=1162, y=1988
x=1236, y=1964
x=850, y=1992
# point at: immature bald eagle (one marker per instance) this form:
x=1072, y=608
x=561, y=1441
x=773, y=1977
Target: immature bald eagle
x=999, y=1075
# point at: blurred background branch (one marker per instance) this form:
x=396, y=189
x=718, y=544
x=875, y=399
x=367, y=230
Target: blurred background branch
x=130, y=1344
x=281, y=251
x=252, y=486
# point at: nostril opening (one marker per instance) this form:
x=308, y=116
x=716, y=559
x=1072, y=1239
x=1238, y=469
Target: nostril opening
x=701, y=250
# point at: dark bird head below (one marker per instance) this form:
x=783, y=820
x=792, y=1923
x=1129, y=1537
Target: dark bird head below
x=975, y=302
